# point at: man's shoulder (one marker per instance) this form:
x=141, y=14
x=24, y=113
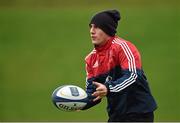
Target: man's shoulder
x=125, y=45
x=118, y=41
x=90, y=55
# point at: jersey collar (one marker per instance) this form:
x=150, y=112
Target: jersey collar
x=104, y=46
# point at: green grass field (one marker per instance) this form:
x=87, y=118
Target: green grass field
x=43, y=48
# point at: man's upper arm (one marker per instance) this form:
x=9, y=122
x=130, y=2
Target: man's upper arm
x=129, y=61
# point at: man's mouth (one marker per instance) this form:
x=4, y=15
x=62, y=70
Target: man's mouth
x=93, y=37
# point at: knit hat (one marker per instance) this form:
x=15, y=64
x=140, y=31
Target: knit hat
x=107, y=21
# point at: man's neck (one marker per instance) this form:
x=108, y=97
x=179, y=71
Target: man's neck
x=104, y=42
x=105, y=45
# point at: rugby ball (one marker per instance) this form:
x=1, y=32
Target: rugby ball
x=69, y=98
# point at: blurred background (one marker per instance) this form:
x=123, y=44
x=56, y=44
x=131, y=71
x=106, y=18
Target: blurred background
x=43, y=44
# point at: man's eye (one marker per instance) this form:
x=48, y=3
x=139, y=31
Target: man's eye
x=90, y=25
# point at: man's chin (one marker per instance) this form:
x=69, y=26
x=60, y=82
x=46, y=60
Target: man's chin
x=95, y=43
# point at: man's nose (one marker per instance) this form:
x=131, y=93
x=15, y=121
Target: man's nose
x=92, y=31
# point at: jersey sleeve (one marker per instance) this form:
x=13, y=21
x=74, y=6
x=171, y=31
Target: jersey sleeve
x=90, y=88
x=129, y=60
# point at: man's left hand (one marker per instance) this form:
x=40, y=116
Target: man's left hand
x=100, y=92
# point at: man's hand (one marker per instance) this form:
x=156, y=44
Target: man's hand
x=100, y=92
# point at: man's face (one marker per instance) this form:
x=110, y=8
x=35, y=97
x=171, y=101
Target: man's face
x=98, y=36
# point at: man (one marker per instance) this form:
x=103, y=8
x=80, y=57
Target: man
x=114, y=70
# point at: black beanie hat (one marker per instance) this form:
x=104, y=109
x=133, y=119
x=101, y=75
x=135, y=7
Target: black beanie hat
x=107, y=21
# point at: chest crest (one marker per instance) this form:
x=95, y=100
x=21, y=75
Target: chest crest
x=104, y=62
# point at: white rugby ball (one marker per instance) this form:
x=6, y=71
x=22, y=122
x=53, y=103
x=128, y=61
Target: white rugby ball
x=69, y=98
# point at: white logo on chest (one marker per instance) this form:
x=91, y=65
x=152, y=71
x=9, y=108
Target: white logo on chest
x=96, y=64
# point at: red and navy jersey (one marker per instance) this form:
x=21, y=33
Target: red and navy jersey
x=117, y=64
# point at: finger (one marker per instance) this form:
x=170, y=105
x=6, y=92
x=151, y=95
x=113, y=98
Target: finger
x=97, y=98
x=99, y=93
x=99, y=89
x=96, y=83
x=98, y=86
x=96, y=93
